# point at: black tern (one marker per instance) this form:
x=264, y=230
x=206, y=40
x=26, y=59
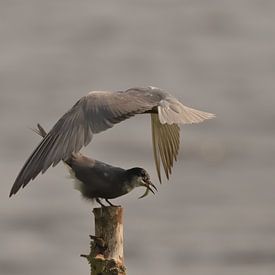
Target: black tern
x=98, y=180
x=100, y=110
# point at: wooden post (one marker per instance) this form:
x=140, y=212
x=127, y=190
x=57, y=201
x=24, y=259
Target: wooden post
x=106, y=255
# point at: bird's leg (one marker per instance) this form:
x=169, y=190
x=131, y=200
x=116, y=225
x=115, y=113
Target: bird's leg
x=111, y=203
x=99, y=201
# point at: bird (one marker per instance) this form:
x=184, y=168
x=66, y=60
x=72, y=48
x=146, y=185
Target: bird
x=100, y=110
x=97, y=180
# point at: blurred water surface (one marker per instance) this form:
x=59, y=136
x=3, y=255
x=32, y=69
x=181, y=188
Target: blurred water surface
x=216, y=216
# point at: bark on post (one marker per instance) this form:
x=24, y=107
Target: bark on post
x=106, y=255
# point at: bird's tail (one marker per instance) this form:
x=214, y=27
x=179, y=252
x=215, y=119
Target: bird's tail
x=40, y=130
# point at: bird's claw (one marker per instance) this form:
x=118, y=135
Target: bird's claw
x=111, y=204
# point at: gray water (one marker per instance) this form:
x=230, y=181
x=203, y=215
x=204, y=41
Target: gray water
x=216, y=215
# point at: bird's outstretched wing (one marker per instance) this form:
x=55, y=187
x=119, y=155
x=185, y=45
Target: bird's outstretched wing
x=166, y=142
x=92, y=114
x=166, y=131
x=99, y=111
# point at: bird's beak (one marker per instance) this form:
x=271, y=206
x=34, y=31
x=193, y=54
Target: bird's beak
x=149, y=187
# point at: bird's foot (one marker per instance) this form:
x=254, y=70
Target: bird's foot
x=111, y=204
x=99, y=201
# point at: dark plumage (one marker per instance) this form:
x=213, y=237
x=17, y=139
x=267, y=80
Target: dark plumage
x=100, y=110
x=98, y=180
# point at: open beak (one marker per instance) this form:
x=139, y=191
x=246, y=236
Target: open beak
x=149, y=187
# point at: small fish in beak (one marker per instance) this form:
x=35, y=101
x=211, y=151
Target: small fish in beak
x=148, y=184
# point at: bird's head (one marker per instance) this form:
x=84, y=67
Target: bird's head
x=139, y=177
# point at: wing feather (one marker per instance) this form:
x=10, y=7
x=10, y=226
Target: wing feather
x=155, y=143
x=165, y=144
x=99, y=111
x=172, y=111
x=92, y=114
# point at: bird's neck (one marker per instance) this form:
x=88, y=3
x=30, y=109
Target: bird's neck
x=128, y=186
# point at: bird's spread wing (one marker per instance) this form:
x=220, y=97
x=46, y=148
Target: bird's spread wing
x=166, y=132
x=99, y=111
x=92, y=114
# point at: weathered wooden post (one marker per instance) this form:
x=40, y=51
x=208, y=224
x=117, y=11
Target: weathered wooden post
x=106, y=255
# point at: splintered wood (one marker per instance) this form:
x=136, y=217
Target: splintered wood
x=106, y=256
